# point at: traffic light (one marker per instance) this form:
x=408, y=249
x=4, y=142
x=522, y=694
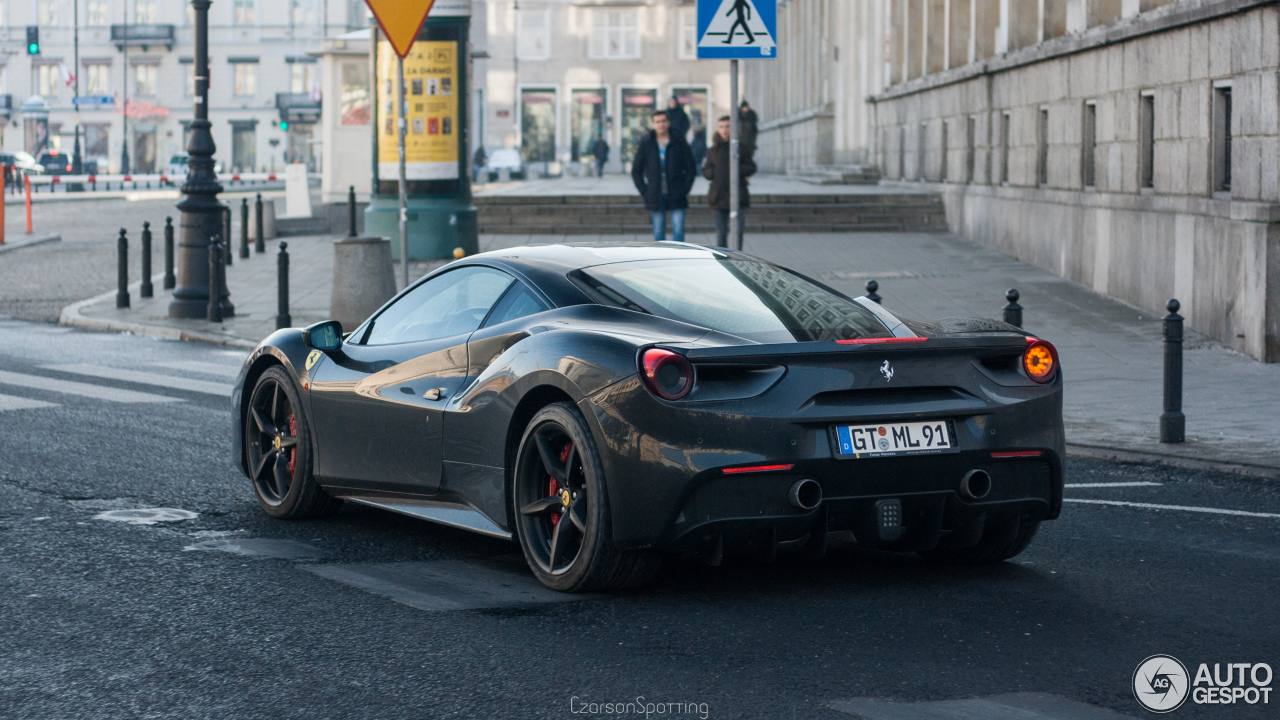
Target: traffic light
x=33, y=40
x=284, y=124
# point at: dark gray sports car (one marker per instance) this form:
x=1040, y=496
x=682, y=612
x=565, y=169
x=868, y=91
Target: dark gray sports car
x=604, y=405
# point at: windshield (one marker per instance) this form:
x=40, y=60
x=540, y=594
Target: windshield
x=747, y=298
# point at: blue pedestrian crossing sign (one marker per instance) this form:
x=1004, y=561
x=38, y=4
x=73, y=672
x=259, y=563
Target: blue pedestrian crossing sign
x=737, y=29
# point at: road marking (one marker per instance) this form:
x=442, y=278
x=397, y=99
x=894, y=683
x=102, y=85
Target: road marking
x=68, y=387
x=145, y=378
x=1184, y=508
x=1113, y=484
x=207, y=368
x=10, y=402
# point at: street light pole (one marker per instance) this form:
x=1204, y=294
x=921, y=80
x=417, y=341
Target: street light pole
x=201, y=211
x=124, y=48
x=77, y=165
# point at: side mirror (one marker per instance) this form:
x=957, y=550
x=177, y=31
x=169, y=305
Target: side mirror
x=324, y=336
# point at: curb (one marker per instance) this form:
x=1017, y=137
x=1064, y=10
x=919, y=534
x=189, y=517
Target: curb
x=1179, y=461
x=28, y=242
x=72, y=316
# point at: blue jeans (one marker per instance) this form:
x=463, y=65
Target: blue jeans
x=659, y=218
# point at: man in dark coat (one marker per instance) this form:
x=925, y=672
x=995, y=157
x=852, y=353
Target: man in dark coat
x=716, y=169
x=699, y=146
x=477, y=163
x=600, y=151
x=663, y=172
x=748, y=127
x=678, y=117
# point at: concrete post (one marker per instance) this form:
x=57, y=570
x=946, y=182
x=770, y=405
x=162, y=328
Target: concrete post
x=363, y=279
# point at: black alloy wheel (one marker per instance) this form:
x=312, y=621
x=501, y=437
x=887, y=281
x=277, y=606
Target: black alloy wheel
x=278, y=452
x=562, y=512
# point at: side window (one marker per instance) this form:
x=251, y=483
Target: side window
x=451, y=304
x=517, y=303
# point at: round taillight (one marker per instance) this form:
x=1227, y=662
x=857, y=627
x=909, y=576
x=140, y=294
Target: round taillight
x=667, y=374
x=1040, y=361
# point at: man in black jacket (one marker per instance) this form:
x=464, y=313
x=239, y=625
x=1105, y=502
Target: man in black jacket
x=716, y=169
x=678, y=117
x=600, y=151
x=663, y=172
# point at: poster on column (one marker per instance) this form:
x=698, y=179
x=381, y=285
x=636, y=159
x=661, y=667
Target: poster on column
x=431, y=93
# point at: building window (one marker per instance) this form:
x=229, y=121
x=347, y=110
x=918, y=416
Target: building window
x=96, y=13
x=245, y=83
x=242, y=14
x=588, y=110
x=96, y=143
x=244, y=147
x=47, y=12
x=144, y=12
x=1147, y=141
x=1089, y=146
x=638, y=105
x=1005, y=123
x=538, y=124
x=357, y=15
x=942, y=172
x=970, y=148
x=301, y=77
x=696, y=105
x=302, y=13
x=48, y=80
x=688, y=33
x=97, y=79
x=144, y=79
x=1042, y=148
x=534, y=40
x=1222, y=139
x=356, y=109
x=615, y=34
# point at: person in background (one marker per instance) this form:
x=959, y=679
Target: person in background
x=748, y=127
x=477, y=163
x=663, y=172
x=600, y=150
x=716, y=169
x=699, y=146
x=679, y=119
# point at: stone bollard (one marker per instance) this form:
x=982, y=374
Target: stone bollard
x=351, y=211
x=872, y=286
x=264, y=223
x=1173, y=424
x=170, y=280
x=1013, y=311
x=122, y=270
x=363, y=279
x=244, y=228
x=226, y=233
x=283, y=319
x=147, y=290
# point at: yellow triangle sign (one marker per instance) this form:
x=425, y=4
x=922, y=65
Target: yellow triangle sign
x=400, y=20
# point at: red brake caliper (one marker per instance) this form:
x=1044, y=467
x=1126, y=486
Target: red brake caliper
x=555, y=488
x=293, y=451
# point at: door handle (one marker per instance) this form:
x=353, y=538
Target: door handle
x=434, y=394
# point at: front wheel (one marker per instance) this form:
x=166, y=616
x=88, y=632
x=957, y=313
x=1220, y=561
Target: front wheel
x=277, y=441
x=562, y=514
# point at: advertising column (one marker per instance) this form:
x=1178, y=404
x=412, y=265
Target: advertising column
x=436, y=76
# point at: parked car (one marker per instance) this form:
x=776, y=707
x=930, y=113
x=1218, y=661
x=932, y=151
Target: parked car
x=18, y=165
x=177, y=167
x=56, y=162
x=508, y=158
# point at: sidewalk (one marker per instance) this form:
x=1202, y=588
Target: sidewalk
x=622, y=185
x=1111, y=354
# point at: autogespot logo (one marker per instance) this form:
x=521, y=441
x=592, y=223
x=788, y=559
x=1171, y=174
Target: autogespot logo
x=1160, y=683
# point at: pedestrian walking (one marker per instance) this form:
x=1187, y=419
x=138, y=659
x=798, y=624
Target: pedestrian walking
x=663, y=172
x=478, y=162
x=699, y=146
x=678, y=117
x=716, y=169
x=748, y=127
x=600, y=151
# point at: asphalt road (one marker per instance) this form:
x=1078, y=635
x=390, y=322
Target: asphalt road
x=228, y=614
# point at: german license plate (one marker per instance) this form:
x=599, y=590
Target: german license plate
x=915, y=438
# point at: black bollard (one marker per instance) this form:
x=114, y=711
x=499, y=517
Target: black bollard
x=1173, y=424
x=1013, y=311
x=872, y=287
x=226, y=232
x=244, y=228
x=351, y=211
x=170, y=281
x=147, y=289
x=283, y=320
x=260, y=243
x=122, y=270
x=216, y=268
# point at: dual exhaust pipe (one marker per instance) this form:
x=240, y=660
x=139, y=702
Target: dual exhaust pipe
x=805, y=494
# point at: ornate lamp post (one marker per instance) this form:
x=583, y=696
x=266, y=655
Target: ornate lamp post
x=201, y=211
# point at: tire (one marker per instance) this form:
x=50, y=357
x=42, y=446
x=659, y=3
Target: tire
x=278, y=451
x=561, y=509
x=1000, y=541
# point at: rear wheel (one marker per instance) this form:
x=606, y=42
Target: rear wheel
x=562, y=513
x=1000, y=541
x=277, y=441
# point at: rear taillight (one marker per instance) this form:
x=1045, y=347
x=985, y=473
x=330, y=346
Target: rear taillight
x=1040, y=360
x=667, y=374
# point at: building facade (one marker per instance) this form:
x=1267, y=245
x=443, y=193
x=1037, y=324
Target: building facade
x=135, y=75
x=1131, y=146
